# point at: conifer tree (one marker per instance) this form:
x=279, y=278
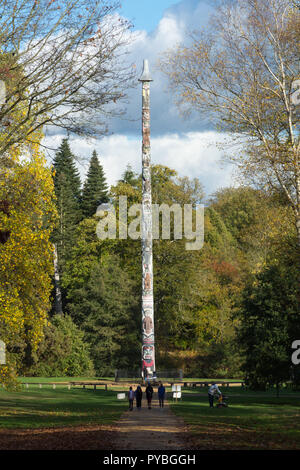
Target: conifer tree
x=95, y=190
x=64, y=163
x=67, y=190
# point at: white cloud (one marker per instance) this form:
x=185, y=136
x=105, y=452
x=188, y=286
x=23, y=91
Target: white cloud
x=193, y=154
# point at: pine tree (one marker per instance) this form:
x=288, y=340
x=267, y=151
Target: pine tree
x=95, y=190
x=67, y=190
x=64, y=164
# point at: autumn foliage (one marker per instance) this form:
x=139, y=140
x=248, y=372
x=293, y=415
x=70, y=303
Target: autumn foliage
x=27, y=215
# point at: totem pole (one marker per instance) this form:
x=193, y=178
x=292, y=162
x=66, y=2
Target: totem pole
x=148, y=348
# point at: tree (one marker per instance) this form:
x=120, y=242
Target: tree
x=129, y=176
x=269, y=316
x=64, y=163
x=239, y=209
x=239, y=74
x=260, y=223
x=68, y=192
x=72, y=59
x=67, y=187
x=62, y=352
x=26, y=264
x=95, y=190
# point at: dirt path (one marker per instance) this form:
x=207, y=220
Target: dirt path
x=155, y=429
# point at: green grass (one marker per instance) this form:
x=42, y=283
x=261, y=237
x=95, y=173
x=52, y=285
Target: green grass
x=35, y=407
x=253, y=420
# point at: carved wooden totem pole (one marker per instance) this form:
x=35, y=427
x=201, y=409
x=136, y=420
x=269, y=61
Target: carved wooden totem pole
x=148, y=346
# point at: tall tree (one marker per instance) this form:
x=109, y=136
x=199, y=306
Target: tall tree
x=64, y=163
x=95, y=189
x=240, y=74
x=67, y=190
x=72, y=57
x=269, y=324
x=27, y=216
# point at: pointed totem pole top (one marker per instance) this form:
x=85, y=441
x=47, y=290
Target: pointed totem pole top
x=145, y=77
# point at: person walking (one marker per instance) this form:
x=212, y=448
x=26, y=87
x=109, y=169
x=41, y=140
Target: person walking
x=161, y=395
x=149, y=393
x=213, y=389
x=138, y=397
x=130, y=398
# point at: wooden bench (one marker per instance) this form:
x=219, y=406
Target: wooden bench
x=208, y=383
x=95, y=385
x=68, y=384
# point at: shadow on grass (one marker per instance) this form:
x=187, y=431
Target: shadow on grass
x=41, y=407
x=258, y=422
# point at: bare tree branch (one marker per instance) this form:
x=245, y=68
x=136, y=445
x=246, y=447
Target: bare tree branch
x=62, y=63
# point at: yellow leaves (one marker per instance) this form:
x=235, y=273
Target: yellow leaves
x=26, y=264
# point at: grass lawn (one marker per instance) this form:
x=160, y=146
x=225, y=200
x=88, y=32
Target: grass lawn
x=45, y=407
x=253, y=420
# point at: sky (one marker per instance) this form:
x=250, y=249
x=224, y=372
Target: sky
x=189, y=146
x=145, y=14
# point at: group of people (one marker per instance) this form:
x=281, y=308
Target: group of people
x=137, y=395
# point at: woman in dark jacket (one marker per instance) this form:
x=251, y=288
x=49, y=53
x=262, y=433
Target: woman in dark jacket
x=138, y=397
x=149, y=393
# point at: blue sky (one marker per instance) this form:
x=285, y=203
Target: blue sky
x=145, y=14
